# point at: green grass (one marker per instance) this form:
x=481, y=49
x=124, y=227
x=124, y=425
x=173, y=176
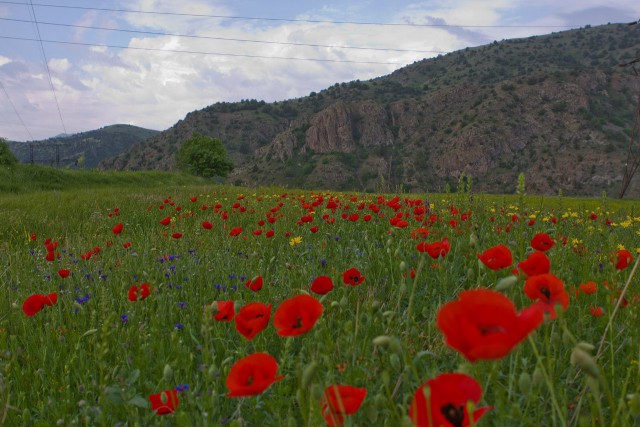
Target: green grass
x=20, y=179
x=78, y=363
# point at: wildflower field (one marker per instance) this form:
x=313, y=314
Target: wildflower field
x=196, y=306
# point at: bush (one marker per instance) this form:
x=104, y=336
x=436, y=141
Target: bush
x=6, y=156
x=204, y=156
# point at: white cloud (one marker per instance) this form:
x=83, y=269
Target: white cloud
x=156, y=89
x=59, y=65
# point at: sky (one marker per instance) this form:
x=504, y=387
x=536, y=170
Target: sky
x=69, y=66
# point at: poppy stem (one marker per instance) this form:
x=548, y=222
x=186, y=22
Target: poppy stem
x=413, y=291
x=554, y=400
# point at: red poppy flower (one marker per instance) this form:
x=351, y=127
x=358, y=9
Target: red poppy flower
x=226, y=311
x=623, y=259
x=164, y=402
x=207, y=225
x=483, y=324
x=296, y=316
x=548, y=290
x=166, y=221
x=542, y=242
x=314, y=229
x=176, y=235
x=36, y=302
x=235, y=231
x=596, y=311
x=33, y=304
x=193, y=199
x=447, y=402
x=536, y=263
x=589, y=287
x=497, y=257
x=64, y=273
x=352, y=277
x=339, y=401
x=322, y=285
x=50, y=299
x=252, y=319
x=139, y=293
x=252, y=375
x=34, y=237
x=117, y=229
x=435, y=249
x=254, y=284
x=126, y=245
x=51, y=256
x=269, y=234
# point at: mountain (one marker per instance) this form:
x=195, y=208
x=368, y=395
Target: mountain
x=555, y=107
x=84, y=149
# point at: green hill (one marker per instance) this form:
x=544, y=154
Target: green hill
x=81, y=150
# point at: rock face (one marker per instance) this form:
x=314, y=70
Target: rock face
x=331, y=130
x=555, y=107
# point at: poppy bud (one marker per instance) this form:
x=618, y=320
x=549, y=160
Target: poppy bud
x=317, y=392
x=524, y=383
x=506, y=283
x=538, y=377
x=348, y=326
x=395, y=345
x=473, y=241
x=585, y=346
x=381, y=340
x=372, y=414
x=167, y=373
x=308, y=373
x=386, y=379
x=634, y=404
x=585, y=361
x=380, y=401
x=403, y=266
x=394, y=360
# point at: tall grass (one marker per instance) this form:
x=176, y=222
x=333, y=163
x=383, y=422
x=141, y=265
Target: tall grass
x=95, y=357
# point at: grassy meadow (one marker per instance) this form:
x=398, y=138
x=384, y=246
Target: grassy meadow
x=97, y=351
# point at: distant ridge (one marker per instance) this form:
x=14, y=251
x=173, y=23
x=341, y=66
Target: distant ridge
x=81, y=150
x=556, y=107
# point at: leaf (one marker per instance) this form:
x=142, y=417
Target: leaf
x=114, y=395
x=139, y=401
x=133, y=377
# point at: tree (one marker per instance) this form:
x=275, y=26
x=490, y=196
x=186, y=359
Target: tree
x=204, y=156
x=7, y=158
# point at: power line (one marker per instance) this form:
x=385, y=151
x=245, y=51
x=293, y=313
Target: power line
x=155, y=33
x=312, y=21
x=16, y=111
x=46, y=63
x=290, y=58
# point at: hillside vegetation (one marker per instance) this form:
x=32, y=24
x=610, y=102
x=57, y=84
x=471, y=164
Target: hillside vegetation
x=556, y=107
x=81, y=150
